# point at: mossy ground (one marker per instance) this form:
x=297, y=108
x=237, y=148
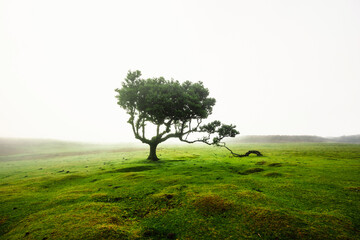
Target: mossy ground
x=295, y=191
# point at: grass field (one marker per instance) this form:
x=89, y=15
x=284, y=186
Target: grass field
x=295, y=191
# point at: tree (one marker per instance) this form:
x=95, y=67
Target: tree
x=175, y=109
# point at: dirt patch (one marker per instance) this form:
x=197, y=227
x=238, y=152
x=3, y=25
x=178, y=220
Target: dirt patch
x=212, y=205
x=275, y=165
x=251, y=170
x=114, y=220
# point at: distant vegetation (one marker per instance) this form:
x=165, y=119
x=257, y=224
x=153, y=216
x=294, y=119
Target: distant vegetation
x=22, y=147
x=296, y=138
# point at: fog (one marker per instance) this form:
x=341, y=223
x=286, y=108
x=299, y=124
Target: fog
x=274, y=67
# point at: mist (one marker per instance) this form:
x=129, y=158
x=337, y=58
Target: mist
x=274, y=67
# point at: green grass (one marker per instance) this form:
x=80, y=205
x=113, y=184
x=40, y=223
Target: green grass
x=295, y=191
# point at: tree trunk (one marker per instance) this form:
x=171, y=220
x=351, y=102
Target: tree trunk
x=152, y=156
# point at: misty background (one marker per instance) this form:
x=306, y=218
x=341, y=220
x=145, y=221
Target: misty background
x=274, y=67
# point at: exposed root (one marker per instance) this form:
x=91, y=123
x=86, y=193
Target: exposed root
x=222, y=144
x=247, y=154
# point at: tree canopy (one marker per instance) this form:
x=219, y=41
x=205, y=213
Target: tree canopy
x=175, y=109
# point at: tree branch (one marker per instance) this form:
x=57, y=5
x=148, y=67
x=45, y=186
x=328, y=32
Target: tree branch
x=135, y=127
x=143, y=128
x=220, y=131
x=167, y=129
x=171, y=135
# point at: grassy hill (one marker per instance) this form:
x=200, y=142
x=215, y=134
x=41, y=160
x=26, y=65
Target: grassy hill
x=295, y=191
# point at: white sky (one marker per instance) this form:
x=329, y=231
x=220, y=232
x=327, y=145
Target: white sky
x=275, y=67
